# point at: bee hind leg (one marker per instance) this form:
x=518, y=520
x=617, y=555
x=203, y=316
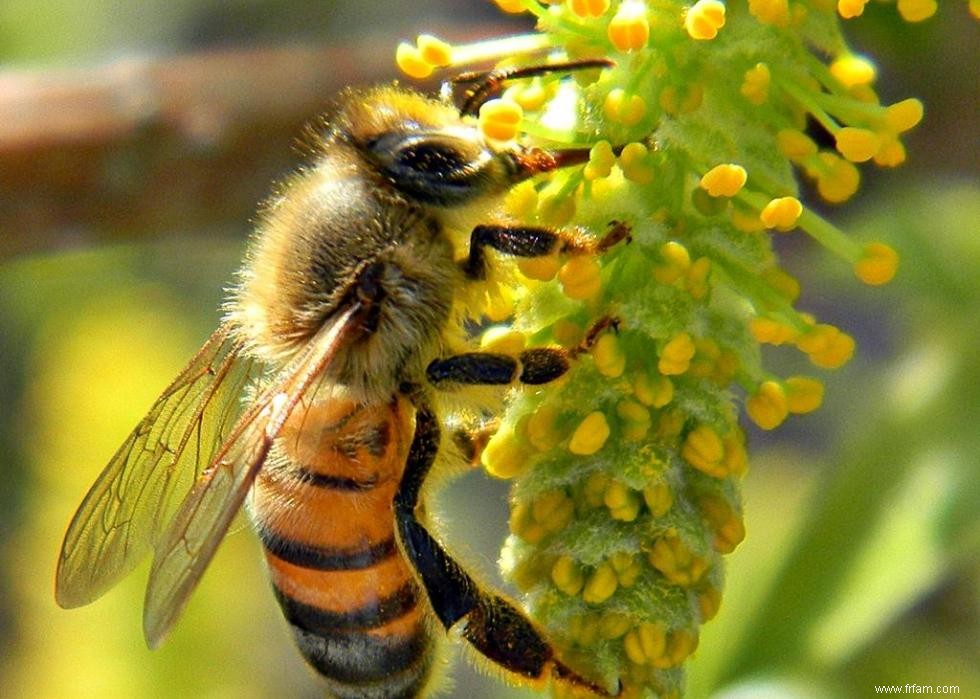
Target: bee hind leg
x=493, y=625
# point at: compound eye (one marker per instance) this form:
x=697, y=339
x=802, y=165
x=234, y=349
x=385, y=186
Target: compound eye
x=434, y=159
x=434, y=167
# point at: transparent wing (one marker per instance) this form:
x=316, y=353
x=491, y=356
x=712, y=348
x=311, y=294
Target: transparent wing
x=204, y=516
x=123, y=514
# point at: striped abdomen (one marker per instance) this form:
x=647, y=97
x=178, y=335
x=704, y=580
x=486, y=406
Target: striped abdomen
x=323, y=509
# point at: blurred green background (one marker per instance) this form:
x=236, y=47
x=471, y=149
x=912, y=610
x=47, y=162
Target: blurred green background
x=862, y=561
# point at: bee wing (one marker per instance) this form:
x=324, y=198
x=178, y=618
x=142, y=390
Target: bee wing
x=120, y=518
x=204, y=516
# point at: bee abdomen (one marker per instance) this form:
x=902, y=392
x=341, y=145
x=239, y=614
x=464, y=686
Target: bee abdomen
x=375, y=651
x=326, y=520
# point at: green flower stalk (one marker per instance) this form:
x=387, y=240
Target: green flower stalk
x=626, y=471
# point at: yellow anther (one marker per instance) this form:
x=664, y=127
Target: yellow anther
x=542, y=428
x=632, y=154
x=590, y=435
x=532, y=96
x=636, y=419
x=595, y=488
x=554, y=208
x=411, y=62
x=675, y=357
x=709, y=602
x=681, y=644
x=703, y=449
x=623, y=503
x=851, y=70
x=771, y=331
x=587, y=9
x=629, y=29
x=500, y=118
x=857, y=145
x=670, y=424
x=504, y=340
x=704, y=19
x=724, y=180
x=904, y=115
x=543, y=268
x=522, y=524
x=633, y=163
x=553, y=510
x=705, y=357
x=601, y=161
x=755, y=84
x=621, y=108
x=580, y=277
x=975, y=8
x=838, y=179
x=891, y=153
x=659, y=498
x=634, y=651
x=768, y=406
x=653, y=391
x=827, y=346
x=782, y=213
x=608, y=355
x=653, y=639
x=803, y=394
x=676, y=561
x=877, y=265
x=917, y=10
x=676, y=262
x=736, y=459
x=567, y=576
x=435, y=51
x=521, y=200
x=613, y=625
x=848, y=9
x=774, y=12
x=504, y=456
x=795, y=145
x=601, y=585
x=512, y=6
x=697, y=278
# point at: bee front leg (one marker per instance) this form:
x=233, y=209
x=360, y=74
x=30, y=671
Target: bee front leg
x=530, y=241
x=491, y=624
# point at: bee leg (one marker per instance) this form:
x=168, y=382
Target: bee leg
x=492, y=624
x=531, y=241
x=534, y=366
x=472, y=441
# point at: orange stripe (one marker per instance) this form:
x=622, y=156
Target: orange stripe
x=339, y=591
x=321, y=516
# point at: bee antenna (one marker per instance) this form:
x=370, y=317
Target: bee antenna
x=486, y=83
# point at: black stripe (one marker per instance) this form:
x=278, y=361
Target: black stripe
x=323, y=622
x=331, y=482
x=325, y=557
x=356, y=658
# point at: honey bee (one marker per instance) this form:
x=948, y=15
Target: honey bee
x=312, y=404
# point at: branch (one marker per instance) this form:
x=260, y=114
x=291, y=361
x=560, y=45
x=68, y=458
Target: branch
x=145, y=145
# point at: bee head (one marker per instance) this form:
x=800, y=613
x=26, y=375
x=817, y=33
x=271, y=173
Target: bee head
x=423, y=148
